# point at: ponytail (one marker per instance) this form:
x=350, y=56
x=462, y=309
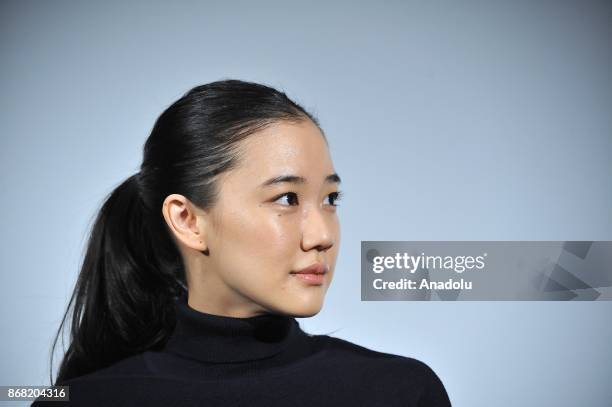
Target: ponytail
x=124, y=293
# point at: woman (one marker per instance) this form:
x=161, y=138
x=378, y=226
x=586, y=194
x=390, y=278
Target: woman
x=197, y=266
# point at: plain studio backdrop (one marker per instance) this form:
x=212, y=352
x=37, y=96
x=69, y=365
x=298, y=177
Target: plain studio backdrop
x=447, y=120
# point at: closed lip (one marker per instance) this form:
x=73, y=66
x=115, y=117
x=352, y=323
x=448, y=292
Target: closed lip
x=317, y=268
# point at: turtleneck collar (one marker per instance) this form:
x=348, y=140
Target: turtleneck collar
x=217, y=338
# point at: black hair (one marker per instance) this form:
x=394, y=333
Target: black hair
x=132, y=270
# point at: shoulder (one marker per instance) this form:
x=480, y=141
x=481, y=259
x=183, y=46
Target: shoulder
x=105, y=386
x=133, y=366
x=347, y=350
x=386, y=369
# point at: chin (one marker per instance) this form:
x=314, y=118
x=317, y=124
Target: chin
x=306, y=310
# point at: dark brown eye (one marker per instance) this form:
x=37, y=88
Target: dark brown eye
x=335, y=196
x=292, y=198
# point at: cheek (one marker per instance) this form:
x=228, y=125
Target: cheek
x=260, y=253
x=264, y=233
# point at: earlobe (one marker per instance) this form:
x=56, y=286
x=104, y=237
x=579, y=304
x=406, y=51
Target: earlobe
x=202, y=239
x=205, y=252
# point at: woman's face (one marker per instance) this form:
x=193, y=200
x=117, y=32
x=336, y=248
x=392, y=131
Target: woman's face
x=260, y=231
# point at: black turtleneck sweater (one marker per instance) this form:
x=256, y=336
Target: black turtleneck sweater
x=266, y=360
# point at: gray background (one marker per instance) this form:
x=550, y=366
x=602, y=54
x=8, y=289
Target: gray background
x=455, y=120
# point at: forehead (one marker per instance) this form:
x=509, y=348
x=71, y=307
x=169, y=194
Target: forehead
x=287, y=148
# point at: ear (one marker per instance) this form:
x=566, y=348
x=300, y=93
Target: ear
x=186, y=225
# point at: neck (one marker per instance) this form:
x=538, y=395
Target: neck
x=220, y=338
x=231, y=309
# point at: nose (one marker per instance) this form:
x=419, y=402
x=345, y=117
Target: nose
x=318, y=231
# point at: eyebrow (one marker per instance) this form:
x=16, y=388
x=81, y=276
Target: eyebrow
x=294, y=179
